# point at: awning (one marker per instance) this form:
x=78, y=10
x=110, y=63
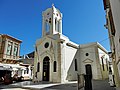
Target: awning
x=11, y=67
x=14, y=69
x=5, y=67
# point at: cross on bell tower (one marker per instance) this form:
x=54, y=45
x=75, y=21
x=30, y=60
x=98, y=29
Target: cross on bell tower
x=51, y=21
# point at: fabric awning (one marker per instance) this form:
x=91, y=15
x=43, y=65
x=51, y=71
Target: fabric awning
x=11, y=67
x=5, y=67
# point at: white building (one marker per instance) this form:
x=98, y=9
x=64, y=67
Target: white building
x=57, y=59
x=28, y=62
x=94, y=56
x=112, y=8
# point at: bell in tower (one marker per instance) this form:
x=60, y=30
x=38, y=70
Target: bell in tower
x=52, y=21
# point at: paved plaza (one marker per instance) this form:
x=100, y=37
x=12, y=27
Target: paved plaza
x=28, y=85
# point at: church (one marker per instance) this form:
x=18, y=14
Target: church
x=57, y=59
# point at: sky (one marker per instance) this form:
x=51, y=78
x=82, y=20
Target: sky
x=83, y=21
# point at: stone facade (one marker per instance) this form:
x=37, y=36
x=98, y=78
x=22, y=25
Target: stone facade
x=95, y=55
x=9, y=49
x=112, y=9
x=57, y=59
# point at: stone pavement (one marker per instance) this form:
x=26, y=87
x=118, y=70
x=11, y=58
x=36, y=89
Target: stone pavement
x=118, y=88
x=28, y=85
x=41, y=86
x=14, y=89
x=102, y=85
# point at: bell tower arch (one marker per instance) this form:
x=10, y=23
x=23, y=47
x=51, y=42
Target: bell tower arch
x=51, y=21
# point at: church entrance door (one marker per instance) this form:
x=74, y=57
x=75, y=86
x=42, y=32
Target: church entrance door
x=46, y=68
x=88, y=70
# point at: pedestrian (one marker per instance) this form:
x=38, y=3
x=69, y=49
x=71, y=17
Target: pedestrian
x=36, y=78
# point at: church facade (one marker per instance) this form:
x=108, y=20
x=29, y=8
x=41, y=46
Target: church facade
x=57, y=59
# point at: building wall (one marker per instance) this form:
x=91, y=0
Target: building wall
x=65, y=56
x=2, y=46
x=53, y=53
x=112, y=22
x=26, y=72
x=115, y=7
x=90, y=59
x=72, y=72
x=11, y=56
x=57, y=51
x=93, y=59
x=13, y=44
x=68, y=71
x=104, y=63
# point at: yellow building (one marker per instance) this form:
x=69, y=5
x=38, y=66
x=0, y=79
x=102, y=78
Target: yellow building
x=9, y=53
x=9, y=49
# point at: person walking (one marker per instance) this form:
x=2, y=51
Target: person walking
x=36, y=78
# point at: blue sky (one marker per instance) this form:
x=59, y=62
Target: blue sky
x=83, y=21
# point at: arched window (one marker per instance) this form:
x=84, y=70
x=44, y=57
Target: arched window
x=36, y=48
x=38, y=67
x=103, y=63
x=47, y=25
x=75, y=64
x=56, y=24
x=55, y=66
x=107, y=64
x=27, y=69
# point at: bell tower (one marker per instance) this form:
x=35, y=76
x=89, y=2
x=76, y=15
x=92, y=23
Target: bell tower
x=51, y=21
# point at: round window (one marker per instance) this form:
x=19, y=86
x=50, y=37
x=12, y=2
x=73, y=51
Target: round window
x=87, y=54
x=46, y=45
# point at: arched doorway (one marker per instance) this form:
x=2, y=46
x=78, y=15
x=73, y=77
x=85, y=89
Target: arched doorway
x=88, y=70
x=46, y=68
